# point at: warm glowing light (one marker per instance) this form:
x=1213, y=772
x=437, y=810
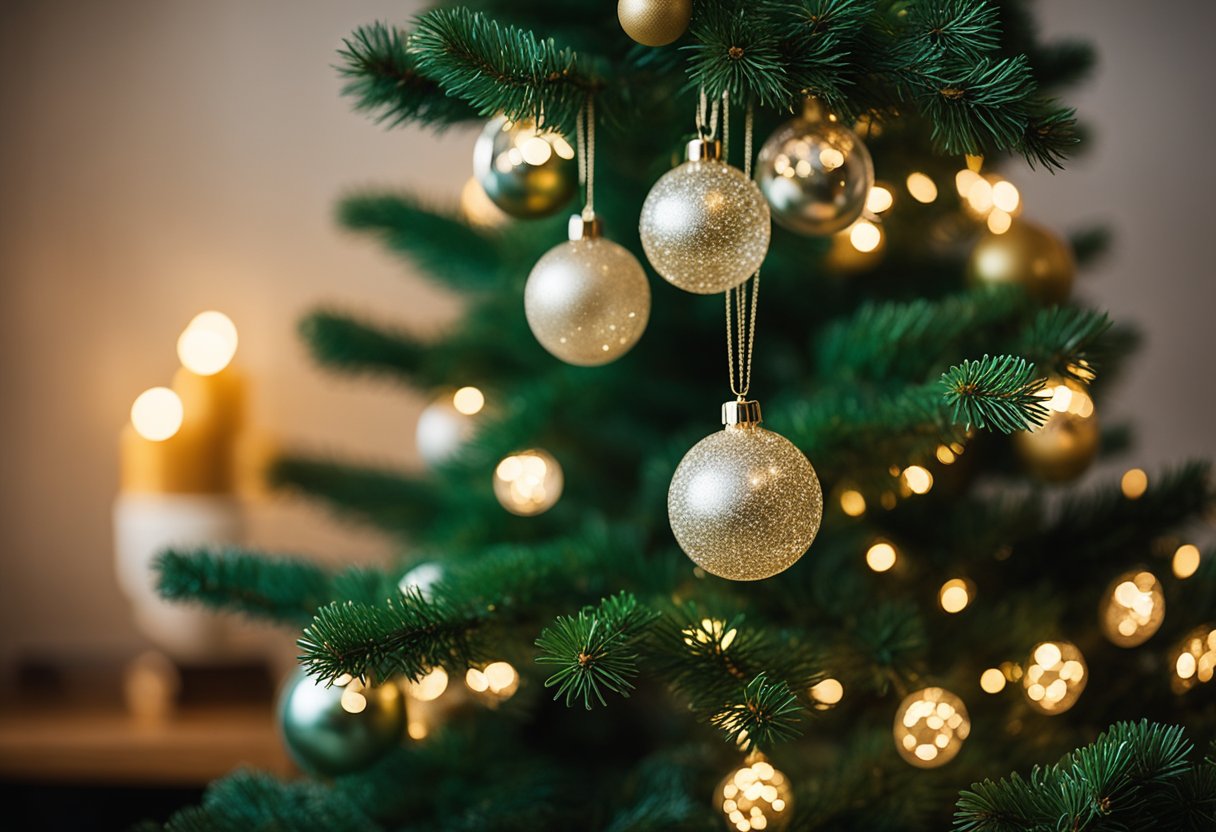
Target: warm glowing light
x=852, y=503
x=918, y=479
x=429, y=687
x=497, y=679
x=1186, y=560
x=930, y=726
x=711, y=631
x=528, y=482
x=865, y=236
x=477, y=207
x=1133, y=608
x=1005, y=197
x=979, y=197
x=1193, y=659
x=756, y=796
x=964, y=180
x=999, y=222
x=992, y=680
x=881, y=556
x=157, y=414
x=946, y=455
x=417, y=729
x=468, y=400
x=879, y=199
x=208, y=343
x=353, y=701
x=1134, y=484
x=955, y=595
x=921, y=187
x=827, y=694
x=1055, y=677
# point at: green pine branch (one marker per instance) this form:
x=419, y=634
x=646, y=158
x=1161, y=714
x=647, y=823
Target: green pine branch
x=762, y=714
x=1001, y=393
x=1065, y=339
x=344, y=344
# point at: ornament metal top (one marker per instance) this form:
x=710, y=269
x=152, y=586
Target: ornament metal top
x=705, y=226
x=744, y=503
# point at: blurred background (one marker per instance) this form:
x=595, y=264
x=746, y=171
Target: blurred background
x=162, y=158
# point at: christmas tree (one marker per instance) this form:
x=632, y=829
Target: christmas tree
x=555, y=650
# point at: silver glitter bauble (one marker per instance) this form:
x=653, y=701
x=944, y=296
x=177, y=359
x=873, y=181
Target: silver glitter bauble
x=525, y=171
x=340, y=728
x=744, y=503
x=705, y=226
x=816, y=175
x=587, y=300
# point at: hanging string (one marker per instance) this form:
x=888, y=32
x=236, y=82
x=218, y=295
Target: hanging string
x=739, y=306
x=584, y=128
x=707, y=117
x=726, y=126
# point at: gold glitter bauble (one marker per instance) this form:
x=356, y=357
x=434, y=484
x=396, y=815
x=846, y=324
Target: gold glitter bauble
x=1026, y=255
x=1133, y=608
x=1063, y=447
x=755, y=796
x=654, y=22
x=744, y=503
x=1055, y=676
x=528, y=482
x=524, y=171
x=816, y=175
x=930, y=726
x=340, y=728
x=705, y=226
x=587, y=301
x=1193, y=660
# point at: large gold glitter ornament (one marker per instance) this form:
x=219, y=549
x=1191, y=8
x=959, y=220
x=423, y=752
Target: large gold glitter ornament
x=1026, y=255
x=654, y=22
x=1055, y=677
x=755, y=796
x=815, y=173
x=744, y=503
x=930, y=726
x=1062, y=448
x=339, y=728
x=705, y=226
x=1193, y=660
x=1133, y=608
x=528, y=482
x=587, y=300
x=524, y=171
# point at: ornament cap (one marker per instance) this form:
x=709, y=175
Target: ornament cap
x=813, y=109
x=741, y=413
x=704, y=150
x=585, y=226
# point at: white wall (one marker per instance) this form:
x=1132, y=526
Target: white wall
x=158, y=158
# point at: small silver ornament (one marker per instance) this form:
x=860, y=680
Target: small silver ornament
x=448, y=423
x=525, y=171
x=744, y=503
x=340, y=728
x=815, y=173
x=587, y=300
x=705, y=226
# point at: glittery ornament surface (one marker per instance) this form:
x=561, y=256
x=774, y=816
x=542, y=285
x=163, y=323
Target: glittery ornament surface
x=524, y=171
x=816, y=176
x=1055, y=676
x=587, y=301
x=756, y=796
x=654, y=22
x=745, y=503
x=705, y=227
x=1133, y=608
x=930, y=726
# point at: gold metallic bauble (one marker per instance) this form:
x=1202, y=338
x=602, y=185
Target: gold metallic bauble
x=755, y=796
x=525, y=171
x=587, y=301
x=1055, y=676
x=1027, y=255
x=654, y=22
x=705, y=226
x=744, y=503
x=340, y=728
x=447, y=423
x=1133, y=608
x=528, y=482
x=816, y=175
x=930, y=726
x=1193, y=659
x=1063, y=447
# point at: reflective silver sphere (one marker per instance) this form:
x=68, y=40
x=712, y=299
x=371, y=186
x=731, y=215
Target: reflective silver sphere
x=526, y=172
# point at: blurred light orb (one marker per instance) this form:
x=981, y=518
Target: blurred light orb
x=447, y=423
x=525, y=171
x=865, y=236
x=930, y=727
x=1056, y=675
x=157, y=414
x=497, y=680
x=827, y=694
x=420, y=579
x=955, y=594
x=1193, y=659
x=208, y=343
x=1134, y=483
x=430, y=687
x=755, y=796
x=528, y=482
x=992, y=680
x=852, y=502
x=1063, y=447
x=1186, y=561
x=1133, y=608
x=921, y=187
x=881, y=556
